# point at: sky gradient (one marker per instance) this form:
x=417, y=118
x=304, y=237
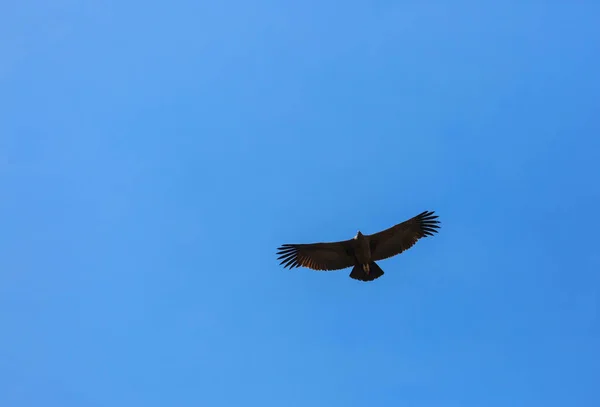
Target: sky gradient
x=153, y=157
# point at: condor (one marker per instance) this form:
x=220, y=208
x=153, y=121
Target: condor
x=362, y=251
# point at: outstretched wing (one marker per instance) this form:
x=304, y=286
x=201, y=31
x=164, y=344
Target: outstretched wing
x=402, y=236
x=317, y=256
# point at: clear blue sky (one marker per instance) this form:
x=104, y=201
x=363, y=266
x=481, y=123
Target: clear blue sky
x=153, y=157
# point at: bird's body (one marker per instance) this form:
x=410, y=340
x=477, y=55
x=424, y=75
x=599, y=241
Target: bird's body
x=362, y=251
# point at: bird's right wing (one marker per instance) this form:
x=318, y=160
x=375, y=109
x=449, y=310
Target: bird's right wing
x=317, y=256
x=403, y=236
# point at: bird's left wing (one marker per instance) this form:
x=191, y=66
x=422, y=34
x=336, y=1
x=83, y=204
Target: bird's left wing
x=402, y=236
x=317, y=256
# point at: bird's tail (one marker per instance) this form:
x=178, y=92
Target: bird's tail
x=358, y=273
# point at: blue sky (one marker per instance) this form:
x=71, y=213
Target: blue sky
x=153, y=157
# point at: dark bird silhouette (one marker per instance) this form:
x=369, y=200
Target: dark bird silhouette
x=362, y=251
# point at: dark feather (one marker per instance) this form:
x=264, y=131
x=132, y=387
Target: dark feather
x=402, y=236
x=317, y=256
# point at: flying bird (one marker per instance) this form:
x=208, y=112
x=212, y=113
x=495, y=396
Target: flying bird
x=362, y=251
